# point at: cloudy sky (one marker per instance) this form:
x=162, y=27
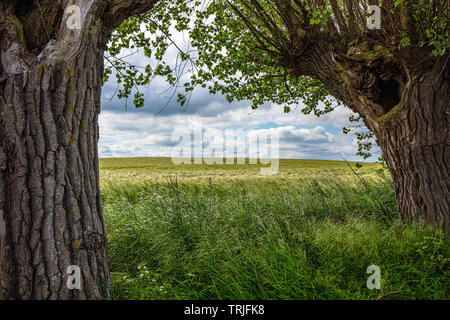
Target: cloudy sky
x=151, y=130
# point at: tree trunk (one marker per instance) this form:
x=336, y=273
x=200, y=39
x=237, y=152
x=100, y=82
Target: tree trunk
x=50, y=206
x=407, y=108
x=50, y=87
x=414, y=138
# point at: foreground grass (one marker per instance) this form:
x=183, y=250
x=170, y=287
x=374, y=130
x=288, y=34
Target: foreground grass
x=300, y=235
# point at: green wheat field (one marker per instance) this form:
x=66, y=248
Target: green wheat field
x=227, y=232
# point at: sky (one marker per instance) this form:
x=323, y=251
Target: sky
x=151, y=131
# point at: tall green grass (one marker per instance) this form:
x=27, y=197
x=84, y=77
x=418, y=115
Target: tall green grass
x=306, y=238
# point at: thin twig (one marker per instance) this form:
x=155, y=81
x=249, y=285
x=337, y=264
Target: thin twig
x=399, y=291
x=42, y=19
x=443, y=68
x=362, y=180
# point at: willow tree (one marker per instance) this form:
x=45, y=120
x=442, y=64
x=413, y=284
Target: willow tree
x=388, y=61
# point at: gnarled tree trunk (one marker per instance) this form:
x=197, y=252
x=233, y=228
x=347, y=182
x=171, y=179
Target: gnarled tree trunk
x=50, y=85
x=50, y=211
x=406, y=106
x=416, y=144
x=382, y=63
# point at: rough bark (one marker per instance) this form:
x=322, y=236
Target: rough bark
x=415, y=141
x=50, y=207
x=406, y=106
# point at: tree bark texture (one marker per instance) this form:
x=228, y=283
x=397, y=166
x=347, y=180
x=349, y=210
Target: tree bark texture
x=416, y=145
x=406, y=106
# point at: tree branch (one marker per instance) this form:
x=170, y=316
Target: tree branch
x=399, y=291
x=120, y=10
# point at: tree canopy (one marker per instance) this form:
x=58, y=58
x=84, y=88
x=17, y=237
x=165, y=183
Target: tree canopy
x=269, y=50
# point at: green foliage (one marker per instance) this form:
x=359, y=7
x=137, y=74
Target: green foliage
x=309, y=234
x=230, y=58
x=321, y=15
x=364, y=144
x=227, y=57
x=241, y=49
x=151, y=34
x=432, y=24
x=365, y=139
x=234, y=64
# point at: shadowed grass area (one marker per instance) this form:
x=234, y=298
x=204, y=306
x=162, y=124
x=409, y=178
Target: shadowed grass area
x=298, y=235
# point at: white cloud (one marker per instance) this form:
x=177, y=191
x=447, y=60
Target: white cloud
x=136, y=134
x=148, y=131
